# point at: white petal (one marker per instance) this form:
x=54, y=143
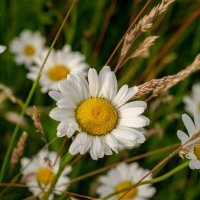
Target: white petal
x=123, y=133
x=109, y=87
x=60, y=114
x=197, y=120
x=2, y=48
x=182, y=136
x=74, y=147
x=84, y=141
x=103, y=73
x=96, y=150
x=70, y=90
x=137, y=104
x=134, y=122
x=93, y=80
x=130, y=94
x=55, y=95
x=120, y=95
x=66, y=103
x=112, y=142
x=131, y=112
x=66, y=127
x=189, y=124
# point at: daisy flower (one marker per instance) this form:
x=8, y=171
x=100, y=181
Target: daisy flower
x=2, y=48
x=124, y=176
x=59, y=64
x=193, y=103
x=27, y=47
x=191, y=140
x=97, y=114
x=39, y=173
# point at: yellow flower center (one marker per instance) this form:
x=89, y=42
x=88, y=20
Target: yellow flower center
x=58, y=72
x=130, y=195
x=29, y=50
x=197, y=151
x=96, y=116
x=45, y=175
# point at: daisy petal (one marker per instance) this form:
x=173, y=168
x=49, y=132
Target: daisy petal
x=189, y=124
x=93, y=80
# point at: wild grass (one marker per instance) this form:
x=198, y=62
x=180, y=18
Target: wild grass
x=100, y=30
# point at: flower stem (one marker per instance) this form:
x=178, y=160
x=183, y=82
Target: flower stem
x=30, y=95
x=65, y=160
x=167, y=175
x=151, y=181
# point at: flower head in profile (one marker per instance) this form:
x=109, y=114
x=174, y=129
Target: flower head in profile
x=39, y=173
x=192, y=102
x=2, y=48
x=97, y=114
x=122, y=177
x=27, y=47
x=59, y=64
x=191, y=141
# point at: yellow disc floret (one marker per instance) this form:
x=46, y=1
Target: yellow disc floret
x=45, y=175
x=197, y=151
x=58, y=72
x=29, y=50
x=96, y=116
x=123, y=185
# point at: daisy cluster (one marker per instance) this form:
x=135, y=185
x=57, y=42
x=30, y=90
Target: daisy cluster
x=97, y=115
x=30, y=50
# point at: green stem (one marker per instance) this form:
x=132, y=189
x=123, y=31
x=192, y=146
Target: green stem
x=167, y=175
x=151, y=181
x=30, y=95
x=65, y=160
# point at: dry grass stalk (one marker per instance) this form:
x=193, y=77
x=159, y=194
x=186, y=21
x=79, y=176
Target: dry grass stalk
x=143, y=25
x=19, y=150
x=36, y=117
x=158, y=86
x=143, y=49
x=6, y=92
x=15, y=118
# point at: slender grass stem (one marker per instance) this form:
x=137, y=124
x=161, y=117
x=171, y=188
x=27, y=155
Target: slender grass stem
x=101, y=170
x=129, y=28
x=65, y=160
x=30, y=95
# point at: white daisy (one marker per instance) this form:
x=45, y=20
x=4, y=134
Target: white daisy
x=193, y=103
x=192, y=148
x=27, y=47
x=59, y=64
x=124, y=176
x=97, y=114
x=2, y=48
x=41, y=171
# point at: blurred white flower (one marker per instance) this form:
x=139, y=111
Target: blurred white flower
x=192, y=103
x=2, y=48
x=27, y=47
x=39, y=173
x=124, y=176
x=59, y=64
x=97, y=114
x=191, y=141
